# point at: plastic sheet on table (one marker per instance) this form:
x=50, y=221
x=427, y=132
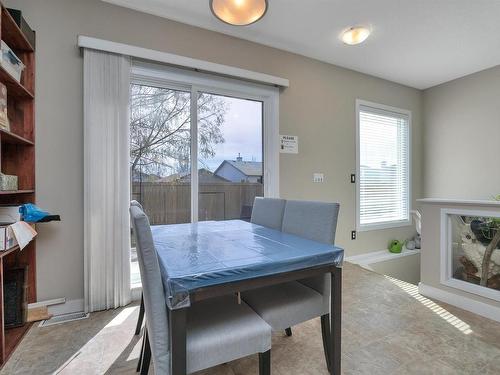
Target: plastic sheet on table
x=198, y=255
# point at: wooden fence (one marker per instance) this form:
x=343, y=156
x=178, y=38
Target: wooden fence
x=170, y=203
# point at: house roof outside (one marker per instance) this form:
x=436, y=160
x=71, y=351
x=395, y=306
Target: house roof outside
x=204, y=176
x=248, y=168
x=138, y=176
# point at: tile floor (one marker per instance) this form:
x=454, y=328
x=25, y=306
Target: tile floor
x=388, y=328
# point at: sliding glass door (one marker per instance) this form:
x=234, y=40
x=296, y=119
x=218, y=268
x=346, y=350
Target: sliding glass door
x=160, y=152
x=160, y=157
x=199, y=146
x=228, y=153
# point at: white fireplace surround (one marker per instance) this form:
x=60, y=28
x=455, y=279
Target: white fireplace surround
x=436, y=275
x=446, y=253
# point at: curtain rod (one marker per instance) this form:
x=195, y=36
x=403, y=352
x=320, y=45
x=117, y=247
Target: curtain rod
x=180, y=61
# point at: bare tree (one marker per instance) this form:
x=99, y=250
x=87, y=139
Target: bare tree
x=160, y=128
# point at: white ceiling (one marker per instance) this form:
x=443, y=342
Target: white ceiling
x=419, y=43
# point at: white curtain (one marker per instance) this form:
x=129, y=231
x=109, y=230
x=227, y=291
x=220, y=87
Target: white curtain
x=106, y=180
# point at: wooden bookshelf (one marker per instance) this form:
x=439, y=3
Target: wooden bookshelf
x=15, y=89
x=9, y=137
x=17, y=157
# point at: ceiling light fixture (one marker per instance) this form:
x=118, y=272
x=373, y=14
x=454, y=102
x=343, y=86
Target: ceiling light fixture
x=239, y=12
x=355, y=35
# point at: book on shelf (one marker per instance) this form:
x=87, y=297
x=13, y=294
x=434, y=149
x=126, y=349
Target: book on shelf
x=4, y=119
x=14, y=231
x=9, y=214
x=19, y=234
x=7, y=238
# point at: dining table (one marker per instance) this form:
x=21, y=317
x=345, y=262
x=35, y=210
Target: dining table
x=208, y=259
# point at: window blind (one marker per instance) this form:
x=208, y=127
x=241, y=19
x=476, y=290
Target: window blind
x=384, y=168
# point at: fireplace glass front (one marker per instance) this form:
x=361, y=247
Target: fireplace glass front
x=475, y=247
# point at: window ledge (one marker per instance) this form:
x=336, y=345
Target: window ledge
x=379, y=256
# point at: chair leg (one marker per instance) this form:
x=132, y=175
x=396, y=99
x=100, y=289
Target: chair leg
x=265, y=363
x=139, y=362
x=141, y=317
x=146, y=360
x=336, y=322
x=288, y=331
x=325, y=333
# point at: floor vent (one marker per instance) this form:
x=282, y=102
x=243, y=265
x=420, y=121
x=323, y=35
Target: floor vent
x=64, y=319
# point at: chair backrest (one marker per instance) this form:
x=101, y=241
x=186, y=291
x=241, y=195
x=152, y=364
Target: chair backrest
x=137, y=204
x=316, y=221
x=268, y=212
x=152, y=291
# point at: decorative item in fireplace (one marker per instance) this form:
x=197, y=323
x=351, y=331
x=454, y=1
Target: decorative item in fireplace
x=479, y=260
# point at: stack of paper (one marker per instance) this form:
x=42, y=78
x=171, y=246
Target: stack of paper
x=19, y=233
x=13, y=231
x=9, y=214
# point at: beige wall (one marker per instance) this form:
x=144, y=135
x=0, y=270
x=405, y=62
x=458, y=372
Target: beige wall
x=405, y=268
x=319, y=107
x=462, y=137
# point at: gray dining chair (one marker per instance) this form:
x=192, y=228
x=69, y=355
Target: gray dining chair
x=285, y=305
x=219, y=330
x=268, y=212
x=140, y=318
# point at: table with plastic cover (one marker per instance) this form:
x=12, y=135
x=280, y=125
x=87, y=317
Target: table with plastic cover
x=213, y=258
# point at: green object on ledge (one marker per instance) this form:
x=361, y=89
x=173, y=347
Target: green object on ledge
x=395, y=246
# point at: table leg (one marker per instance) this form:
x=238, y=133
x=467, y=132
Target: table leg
x=336, y=317
x=177, y=331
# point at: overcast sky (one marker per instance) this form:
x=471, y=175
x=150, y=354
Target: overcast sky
x=242, y=132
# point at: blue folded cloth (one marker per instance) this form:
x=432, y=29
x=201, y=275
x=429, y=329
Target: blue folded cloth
x=34, y=214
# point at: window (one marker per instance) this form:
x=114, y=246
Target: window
x=383, y=166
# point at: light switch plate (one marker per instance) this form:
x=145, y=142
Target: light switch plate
x=318, y=177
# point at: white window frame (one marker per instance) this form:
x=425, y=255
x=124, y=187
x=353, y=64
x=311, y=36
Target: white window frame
x=383, y=109
x=174, y=78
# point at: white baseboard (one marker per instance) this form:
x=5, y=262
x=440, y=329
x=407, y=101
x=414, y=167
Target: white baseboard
x=49, y=302
x=77, y=305
x=466, y=303
x=71, y=306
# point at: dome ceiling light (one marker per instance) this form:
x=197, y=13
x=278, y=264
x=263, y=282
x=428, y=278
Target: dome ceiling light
x=239, y=12
x=355, y=35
